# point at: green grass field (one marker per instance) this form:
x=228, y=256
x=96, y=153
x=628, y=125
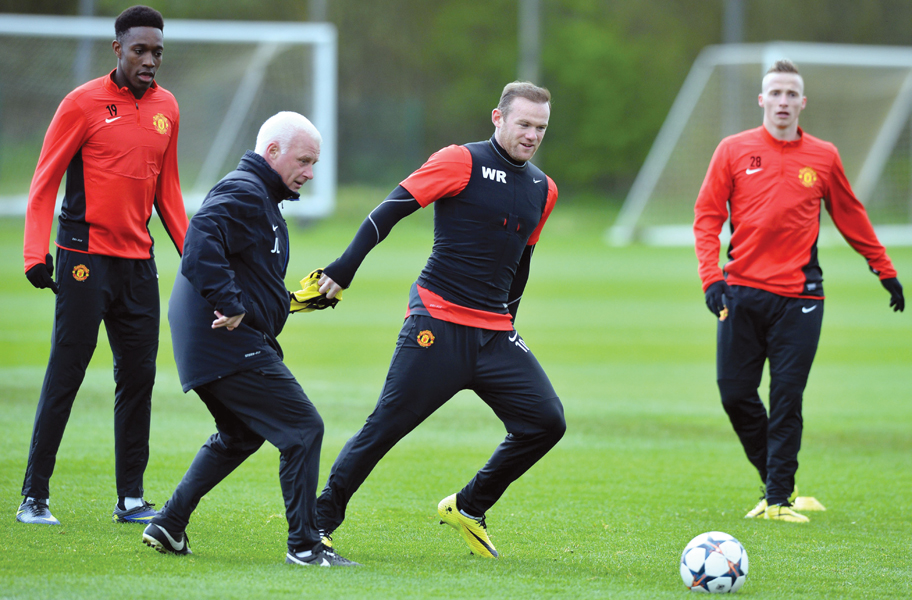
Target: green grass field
x=648, y=462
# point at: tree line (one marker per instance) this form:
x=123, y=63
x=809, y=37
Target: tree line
x=415, y=76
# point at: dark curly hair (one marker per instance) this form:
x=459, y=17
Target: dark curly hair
x=137, y=16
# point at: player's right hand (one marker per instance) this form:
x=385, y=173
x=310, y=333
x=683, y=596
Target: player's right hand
x=715, y=297
x=41, y=275
x=328, y=287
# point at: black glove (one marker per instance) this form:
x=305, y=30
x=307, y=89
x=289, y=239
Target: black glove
x=41, y=276
x=715, y=297
x=892, y=285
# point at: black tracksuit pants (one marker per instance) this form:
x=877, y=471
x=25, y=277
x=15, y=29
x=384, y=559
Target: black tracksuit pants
x=124, y=294
x=250, y=407
x=434, y=360
x=763, y=326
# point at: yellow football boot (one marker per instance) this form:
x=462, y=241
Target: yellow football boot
x=757, y=511
x=760, y=509
x=472, y=530
x=779, y=512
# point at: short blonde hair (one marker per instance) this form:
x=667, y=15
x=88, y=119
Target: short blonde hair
x=783, y=65
x=522, y=89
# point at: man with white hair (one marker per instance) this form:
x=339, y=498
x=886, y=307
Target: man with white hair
x=233, y=269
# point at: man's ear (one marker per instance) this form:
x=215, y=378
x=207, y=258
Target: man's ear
x=497, y=117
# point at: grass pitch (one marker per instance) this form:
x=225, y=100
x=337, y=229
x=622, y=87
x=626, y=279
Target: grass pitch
x=648, y=462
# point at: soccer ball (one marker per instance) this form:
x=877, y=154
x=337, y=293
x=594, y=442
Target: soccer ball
x=714, y=562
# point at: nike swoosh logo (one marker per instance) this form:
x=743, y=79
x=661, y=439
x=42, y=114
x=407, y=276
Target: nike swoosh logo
x=807, y=309
x=111, y=120
x=174, y=544
x=752, y=171
x=274, y=227
x=481, y=542
x=534, y=180
x=514, y=336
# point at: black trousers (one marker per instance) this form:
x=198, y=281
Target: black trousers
x=124, y=294
x=763, y=326
x=434, y=360
x=250, y=407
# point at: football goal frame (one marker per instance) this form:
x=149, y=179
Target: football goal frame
x=628, y=226
x=267, y=40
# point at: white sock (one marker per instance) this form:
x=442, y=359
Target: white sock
x=132, y=502
x=45, y=500
x=465, y=514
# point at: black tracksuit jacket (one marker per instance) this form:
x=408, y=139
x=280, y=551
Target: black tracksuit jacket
x=234, y=261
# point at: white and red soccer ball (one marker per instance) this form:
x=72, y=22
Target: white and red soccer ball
x=714, y=562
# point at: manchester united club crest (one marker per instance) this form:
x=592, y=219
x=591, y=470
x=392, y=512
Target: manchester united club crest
x=807, y=176
x=80, y=272
x=425, y=338
x=161, y=123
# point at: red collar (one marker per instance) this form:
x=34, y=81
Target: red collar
x=781, y=143
x=112, y=86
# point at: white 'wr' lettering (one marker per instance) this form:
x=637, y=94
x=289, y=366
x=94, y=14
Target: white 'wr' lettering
x=494, y=174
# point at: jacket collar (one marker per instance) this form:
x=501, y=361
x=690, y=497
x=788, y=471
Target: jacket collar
x=781, y=143
x=256, y=164
x=112, y=86
x=503, y=154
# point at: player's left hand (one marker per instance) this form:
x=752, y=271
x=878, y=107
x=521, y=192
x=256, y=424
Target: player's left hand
x=230, y=323
x=897, y=301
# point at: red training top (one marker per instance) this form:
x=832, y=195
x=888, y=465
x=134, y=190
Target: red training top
x=774, y=190
x=120, y=156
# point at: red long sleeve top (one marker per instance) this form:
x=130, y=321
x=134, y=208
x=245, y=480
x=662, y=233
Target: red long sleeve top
x=120, y=156
x=773, y=191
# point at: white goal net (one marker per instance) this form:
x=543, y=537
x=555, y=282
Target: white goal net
x=859, y=98
x=228, y=77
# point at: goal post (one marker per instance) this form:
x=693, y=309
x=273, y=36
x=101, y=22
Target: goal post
x=228, y=77
x=859, y=98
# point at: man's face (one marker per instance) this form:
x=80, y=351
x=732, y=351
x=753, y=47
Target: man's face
x=295, y=165
x=522, y=129
x=139, y=54
x=782, y=99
